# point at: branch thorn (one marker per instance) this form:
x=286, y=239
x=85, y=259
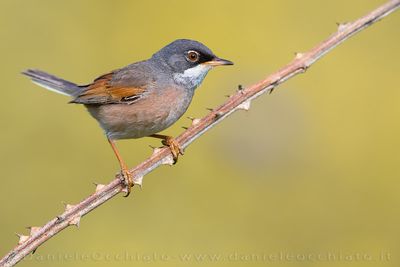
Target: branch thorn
x=245, y=105
x=219, y=114
x=342, y=26
x=138, y=180
x=75, y=221
x=99, y=187
x=195, y=121
x=152, y=147
x=22, y=238
x=33, y=229
x=271, y=90
x=156, y=150
x=169, y=160
x=298, y=55
x=68, y=207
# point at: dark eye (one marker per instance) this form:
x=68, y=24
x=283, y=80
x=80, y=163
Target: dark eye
x=192, y=56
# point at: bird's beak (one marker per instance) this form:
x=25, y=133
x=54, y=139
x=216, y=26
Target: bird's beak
x=218, y=62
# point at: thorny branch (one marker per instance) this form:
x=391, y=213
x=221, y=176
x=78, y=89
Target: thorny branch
x=240, y=100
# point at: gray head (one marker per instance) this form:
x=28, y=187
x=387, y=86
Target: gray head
x=189, y=61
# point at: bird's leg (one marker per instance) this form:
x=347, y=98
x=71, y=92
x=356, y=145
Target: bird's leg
x=124, y=169
x=169, y=141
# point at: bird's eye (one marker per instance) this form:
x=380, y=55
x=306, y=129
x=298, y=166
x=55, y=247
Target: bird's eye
x=192, y=56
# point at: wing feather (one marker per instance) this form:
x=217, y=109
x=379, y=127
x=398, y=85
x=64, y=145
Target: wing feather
x=106, y=90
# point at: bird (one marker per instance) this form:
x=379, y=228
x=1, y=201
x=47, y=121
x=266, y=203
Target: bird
x=143, y=98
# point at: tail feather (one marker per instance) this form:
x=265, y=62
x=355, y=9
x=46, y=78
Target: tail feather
x=53, y=83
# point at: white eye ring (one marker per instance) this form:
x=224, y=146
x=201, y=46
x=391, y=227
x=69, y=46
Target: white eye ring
x=192, y=56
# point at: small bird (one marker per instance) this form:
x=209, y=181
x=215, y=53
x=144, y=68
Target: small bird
x=143, y=98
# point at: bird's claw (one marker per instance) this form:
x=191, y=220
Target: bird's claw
x=174, y=146
x=128, y=180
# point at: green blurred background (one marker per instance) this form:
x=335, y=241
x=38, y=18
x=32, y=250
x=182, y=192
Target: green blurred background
x=308, y=177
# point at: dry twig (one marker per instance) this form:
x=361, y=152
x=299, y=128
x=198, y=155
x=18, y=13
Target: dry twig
x=241, y=100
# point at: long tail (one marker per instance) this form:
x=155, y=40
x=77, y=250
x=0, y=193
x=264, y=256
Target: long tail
x=53, y=83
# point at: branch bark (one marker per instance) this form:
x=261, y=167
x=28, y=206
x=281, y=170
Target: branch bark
x=240, y=100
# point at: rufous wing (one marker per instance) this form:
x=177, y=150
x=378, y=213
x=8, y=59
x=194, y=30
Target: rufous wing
x=104, y=91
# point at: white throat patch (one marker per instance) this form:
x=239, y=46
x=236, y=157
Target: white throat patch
x=192, y=77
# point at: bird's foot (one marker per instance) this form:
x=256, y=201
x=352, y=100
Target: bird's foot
x=174, y=146
x=128, y=180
